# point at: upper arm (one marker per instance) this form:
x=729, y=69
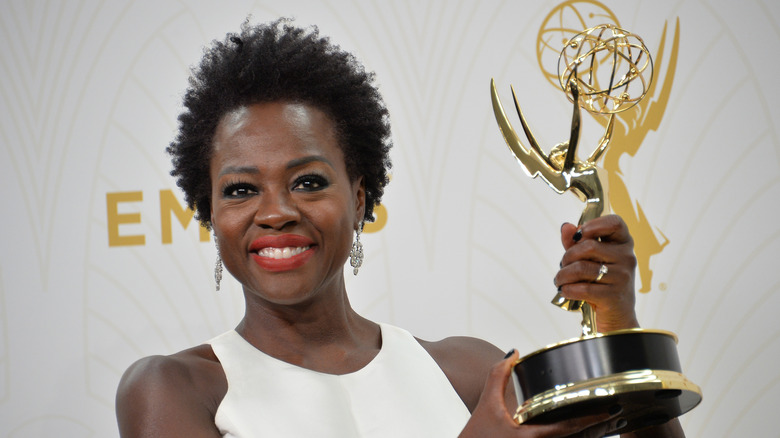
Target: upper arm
x=160, y=397
x=466, y=362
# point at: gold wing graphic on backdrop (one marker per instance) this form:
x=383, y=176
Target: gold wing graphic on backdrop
x=628, y=137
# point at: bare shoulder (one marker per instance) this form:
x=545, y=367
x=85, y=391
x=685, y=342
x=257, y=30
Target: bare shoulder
x=174, y=395
x=466, y=362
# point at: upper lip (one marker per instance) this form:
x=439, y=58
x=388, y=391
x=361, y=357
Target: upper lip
x=280, y=241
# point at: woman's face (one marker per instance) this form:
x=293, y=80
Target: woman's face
x=283, y=206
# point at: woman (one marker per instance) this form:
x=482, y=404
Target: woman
x=283, y=152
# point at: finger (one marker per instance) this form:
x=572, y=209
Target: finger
x=615, y=422
x=597, y=431
x=593, y=425
x=609, y=228
x=604, y=239
x=582, y=263
x=621, y=254
x=567, y=235
x=604, y=288
x=596, y=252
x=578, y=283
x=592, y=272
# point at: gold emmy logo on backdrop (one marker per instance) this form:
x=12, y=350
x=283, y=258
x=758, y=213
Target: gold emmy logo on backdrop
x=631, y=128
x=607, y=71
x=170, y=207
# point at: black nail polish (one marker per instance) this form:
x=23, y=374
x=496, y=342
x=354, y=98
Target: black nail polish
x=621, y=423
x=559, y=288
x=615, y=409
x=577, y=236
x=511, y=352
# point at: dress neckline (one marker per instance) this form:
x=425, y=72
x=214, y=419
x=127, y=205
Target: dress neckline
x=384, y=340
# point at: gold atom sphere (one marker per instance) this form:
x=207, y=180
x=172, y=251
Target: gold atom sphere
x=611, y=67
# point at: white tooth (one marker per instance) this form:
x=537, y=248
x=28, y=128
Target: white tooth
x=281, y=253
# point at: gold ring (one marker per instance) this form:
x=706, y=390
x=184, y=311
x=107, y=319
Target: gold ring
x=602, y=272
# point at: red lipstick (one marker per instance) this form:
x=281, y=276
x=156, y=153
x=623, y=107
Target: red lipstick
x=283, y=252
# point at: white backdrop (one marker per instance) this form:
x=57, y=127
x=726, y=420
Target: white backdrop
x=89, y=94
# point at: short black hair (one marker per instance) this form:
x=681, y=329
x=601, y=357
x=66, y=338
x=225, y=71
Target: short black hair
x=280, y=62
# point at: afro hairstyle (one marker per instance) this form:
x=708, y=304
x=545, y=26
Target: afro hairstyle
x=280, y=62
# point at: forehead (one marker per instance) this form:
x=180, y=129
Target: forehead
x=276, y=129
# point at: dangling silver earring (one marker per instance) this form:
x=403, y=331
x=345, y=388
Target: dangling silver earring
x=356, y=255
x=218, y=266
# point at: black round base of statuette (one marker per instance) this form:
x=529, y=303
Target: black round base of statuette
x=636, y=370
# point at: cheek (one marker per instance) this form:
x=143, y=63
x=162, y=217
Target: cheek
x=230, y=224
x=335, y=221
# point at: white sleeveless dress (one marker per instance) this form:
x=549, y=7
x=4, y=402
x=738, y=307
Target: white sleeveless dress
x=402, y=392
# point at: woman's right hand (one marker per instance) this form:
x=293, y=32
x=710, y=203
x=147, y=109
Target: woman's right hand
x=491, y=417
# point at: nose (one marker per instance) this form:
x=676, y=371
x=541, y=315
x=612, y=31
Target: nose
x=276, y=210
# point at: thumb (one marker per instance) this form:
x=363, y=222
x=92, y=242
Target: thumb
x=495, y=385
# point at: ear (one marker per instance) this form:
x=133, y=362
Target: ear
x=359, y=189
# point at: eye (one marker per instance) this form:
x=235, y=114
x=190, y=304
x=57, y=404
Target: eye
x=238, y=190
x=310, y=183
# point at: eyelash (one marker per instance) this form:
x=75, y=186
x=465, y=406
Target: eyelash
x=238, y=189
x=232, y=188
x=311, y=178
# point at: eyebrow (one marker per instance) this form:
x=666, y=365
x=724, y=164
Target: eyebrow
x=239, y=169
x=305, y=160
x=290, y=165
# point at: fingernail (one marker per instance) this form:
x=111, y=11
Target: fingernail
x=615, y=409
x=559, y=288
x=562, y=225
x=621, y=423
x=508, y=355
x=577, y=236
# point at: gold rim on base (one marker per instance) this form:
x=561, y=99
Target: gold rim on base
x=615, y=384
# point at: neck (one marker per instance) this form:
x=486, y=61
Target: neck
x=324, y=334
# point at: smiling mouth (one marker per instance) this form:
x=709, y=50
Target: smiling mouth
x=282, y=253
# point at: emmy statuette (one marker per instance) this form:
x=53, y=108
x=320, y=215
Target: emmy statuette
x=604, y=70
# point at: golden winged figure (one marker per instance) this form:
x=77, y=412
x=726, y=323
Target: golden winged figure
x=562, y=171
